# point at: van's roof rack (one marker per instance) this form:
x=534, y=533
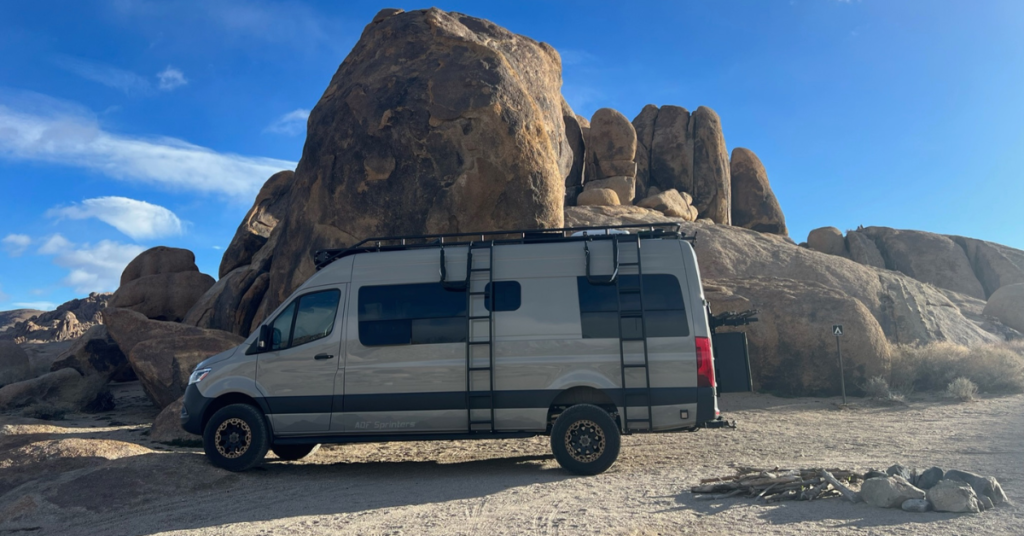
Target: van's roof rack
x=323, y=257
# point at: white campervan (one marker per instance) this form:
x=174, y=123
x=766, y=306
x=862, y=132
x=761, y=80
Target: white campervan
x=581, y=333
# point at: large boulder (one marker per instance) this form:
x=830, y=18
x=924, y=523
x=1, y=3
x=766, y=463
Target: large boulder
x=792, y=347
x=927, y=257
x=94, y=353
x=954, y=496
x=64, y=390
x=267, y=211
x=643, y=124
x=167, y=428
x=578, y=145
x=163, y=354
x=612, y=145
x=159, y=260
x=711, y=183
x=671, y=203
x=605, y=197
x=624, y=187
x=995, y=265
x=827, y=240
x=162, y=283
x=231, y=304
x=1007, y=305
x=163, y=296
x=435, y=123
x=597, y=216
x=14, y=364
x=671, y=148
x=753, y=203
x=163, y=365
x=863, y=250
x=889, y=492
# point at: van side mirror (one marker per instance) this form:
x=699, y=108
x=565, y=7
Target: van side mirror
x=266, y=338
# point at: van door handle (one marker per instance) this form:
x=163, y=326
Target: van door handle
x=323, y=356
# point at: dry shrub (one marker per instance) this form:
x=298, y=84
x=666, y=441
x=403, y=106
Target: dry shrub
x=994, y=368
x=963, y=389
x=877, y=388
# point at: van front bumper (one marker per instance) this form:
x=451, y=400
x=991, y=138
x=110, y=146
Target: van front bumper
x=192, y=410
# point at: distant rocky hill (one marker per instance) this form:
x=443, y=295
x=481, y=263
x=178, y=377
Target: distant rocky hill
x=9, y=318
x=69, y=321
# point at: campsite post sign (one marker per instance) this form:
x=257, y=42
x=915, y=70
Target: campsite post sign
x=837, y=330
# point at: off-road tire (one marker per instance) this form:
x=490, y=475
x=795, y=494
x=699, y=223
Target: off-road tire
x=585, y=440
x=290, y=453
x=236, y=437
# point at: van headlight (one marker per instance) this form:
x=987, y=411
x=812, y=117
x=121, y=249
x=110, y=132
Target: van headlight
x=198, y=375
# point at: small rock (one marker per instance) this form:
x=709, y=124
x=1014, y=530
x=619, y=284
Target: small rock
x=874, y=474
x=986, y=503
x=916, y=505
x=929, y=478
x=899, y=470
x=953, y=496
x=889, y=492
x=599, y=196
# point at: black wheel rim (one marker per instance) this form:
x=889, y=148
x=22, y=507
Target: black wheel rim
x=233, y=438
x=585, y=441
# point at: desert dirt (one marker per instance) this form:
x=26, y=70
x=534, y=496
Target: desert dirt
x=59, y=477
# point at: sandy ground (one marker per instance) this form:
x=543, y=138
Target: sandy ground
x=55, y=478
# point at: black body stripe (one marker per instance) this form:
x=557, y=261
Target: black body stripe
x=536, y=398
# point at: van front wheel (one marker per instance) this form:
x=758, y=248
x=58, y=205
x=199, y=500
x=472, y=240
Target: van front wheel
x=585, y=440
x=236, y=437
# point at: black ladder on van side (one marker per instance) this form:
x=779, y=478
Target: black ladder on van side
x=631, y=396
x=480, y=399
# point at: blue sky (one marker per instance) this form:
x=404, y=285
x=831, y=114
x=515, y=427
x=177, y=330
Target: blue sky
x=128, y=124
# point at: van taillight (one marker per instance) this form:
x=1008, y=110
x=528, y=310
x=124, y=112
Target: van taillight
x=705, y=365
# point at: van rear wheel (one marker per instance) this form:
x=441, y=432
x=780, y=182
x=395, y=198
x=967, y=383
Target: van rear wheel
x=236, y=437
x=585, y=440
x=291, y=453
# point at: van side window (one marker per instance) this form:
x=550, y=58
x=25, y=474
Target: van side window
x=508, y=296
x=420, y=313
x=283, y=328
x=314, y=320
x=663, y=308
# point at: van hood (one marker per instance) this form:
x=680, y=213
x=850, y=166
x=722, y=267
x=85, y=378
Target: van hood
x=218, y=357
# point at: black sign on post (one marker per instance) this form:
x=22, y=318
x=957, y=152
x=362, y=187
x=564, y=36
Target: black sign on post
x=837, y=330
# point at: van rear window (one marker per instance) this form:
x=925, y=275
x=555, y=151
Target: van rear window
x=663, y=307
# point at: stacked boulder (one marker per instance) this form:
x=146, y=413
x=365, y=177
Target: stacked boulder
x=162, y=283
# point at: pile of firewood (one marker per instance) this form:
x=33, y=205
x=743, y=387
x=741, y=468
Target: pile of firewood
x=781, y=485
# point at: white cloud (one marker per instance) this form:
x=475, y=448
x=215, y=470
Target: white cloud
x=92, y=268
x=137, y=219
x=40, y=305
x=39, y=128
x=171, y=78
x=290, y=124
x=55, y=244
x=126, y=81
x=16, y=244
